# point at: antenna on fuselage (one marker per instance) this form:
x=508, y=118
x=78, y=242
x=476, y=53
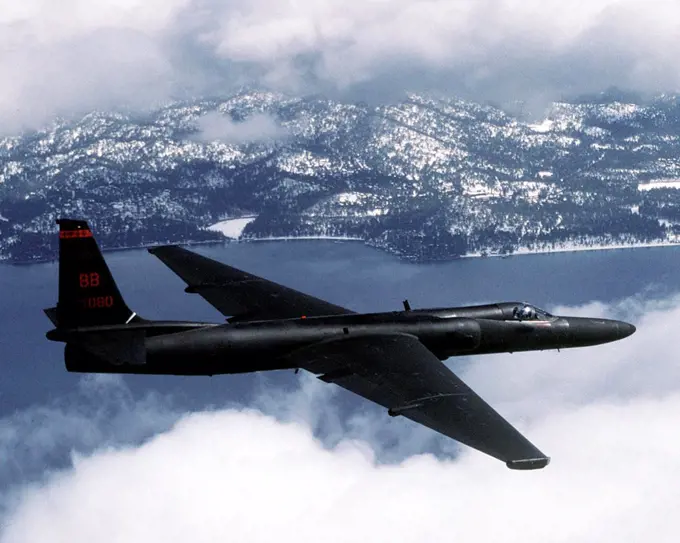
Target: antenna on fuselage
x=407, y=306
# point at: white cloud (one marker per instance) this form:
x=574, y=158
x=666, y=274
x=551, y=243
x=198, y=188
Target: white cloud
x=102, y=413
x=256, y=128
x=75, y=55
x=607, y=416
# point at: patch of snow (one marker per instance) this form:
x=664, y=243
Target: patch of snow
x=231, y=228
x=480, y=189
x=618, y=110
x=661, y=184
x=599, y=146
x=348, y=198
x=376, y=212
x=542, y=127
x=530, y=190
x=3, y=219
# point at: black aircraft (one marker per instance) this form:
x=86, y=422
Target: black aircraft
x=393, y=359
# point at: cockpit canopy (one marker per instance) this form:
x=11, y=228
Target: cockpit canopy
x=527, y=312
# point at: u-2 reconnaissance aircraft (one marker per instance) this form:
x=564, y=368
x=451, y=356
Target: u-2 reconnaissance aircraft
x=393, y=359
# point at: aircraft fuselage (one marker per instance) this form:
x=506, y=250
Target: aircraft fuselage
x=200, y=348
x=392, y=359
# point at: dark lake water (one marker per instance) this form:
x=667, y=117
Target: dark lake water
x=345, y=273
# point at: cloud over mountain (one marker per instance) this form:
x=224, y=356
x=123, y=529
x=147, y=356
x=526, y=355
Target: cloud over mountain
x=215, y=126
x=606, y=415
x=74, y=56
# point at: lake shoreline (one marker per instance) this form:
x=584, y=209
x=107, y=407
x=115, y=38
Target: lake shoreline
x=521, y=251
x=573, y=249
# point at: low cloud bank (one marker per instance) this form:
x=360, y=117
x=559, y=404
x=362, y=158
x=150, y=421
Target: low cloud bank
x=293, y=467
x=101, y=413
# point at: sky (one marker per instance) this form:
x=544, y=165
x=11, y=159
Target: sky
x=69, y=57
x=263, y=471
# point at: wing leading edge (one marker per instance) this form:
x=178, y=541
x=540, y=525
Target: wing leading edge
x=238, y=294
x=398, y=372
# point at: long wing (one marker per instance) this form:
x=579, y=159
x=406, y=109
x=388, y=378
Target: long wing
x=240, y=295
x=398, y=372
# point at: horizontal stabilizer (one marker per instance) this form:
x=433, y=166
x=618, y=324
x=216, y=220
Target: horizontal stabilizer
x=51, y=313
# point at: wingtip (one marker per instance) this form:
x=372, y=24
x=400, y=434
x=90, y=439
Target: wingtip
x=528, y=463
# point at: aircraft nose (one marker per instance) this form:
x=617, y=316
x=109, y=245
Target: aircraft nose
x=610, y=330
x=625, y=329
x=586, y=331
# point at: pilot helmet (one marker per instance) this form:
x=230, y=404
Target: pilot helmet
x=524, y=312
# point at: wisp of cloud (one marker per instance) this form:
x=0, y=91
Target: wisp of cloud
x=607, y=415
x=214, y=126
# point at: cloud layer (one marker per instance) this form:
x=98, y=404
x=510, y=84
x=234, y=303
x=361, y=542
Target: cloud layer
x=102, y=413
x=294, y=469
x=74, y=56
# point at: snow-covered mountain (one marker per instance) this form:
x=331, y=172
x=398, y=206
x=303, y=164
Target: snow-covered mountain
x=427, y=178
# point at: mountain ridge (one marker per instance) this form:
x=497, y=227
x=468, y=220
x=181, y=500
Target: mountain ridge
x=427, y=178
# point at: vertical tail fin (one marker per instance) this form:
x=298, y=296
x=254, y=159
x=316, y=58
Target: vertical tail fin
x=88, y=295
